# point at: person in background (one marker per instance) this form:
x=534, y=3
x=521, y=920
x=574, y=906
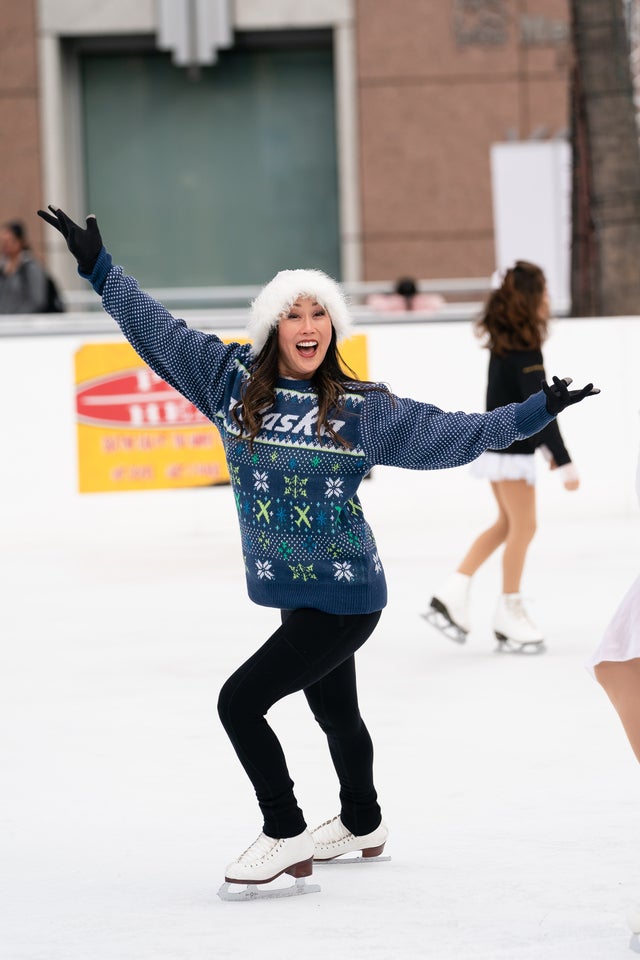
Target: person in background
x=405, y=297
x=514, y=326
x=23, y=282
x=300, y=433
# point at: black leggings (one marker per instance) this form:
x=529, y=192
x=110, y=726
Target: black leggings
x=311, y=651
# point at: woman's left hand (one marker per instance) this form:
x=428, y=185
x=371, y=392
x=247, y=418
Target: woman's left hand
x=559, y=396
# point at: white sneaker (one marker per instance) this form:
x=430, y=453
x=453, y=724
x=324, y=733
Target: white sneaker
x=267, y=858
x=452, y=600
x=513, y=625
x=332, y=839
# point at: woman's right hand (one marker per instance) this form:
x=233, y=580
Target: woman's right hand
x=84, y=244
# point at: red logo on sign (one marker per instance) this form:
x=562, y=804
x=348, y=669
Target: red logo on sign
x=134, y=398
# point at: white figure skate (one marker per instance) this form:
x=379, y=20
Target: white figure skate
x=264, y=861
x=514, y=628
x=449, y=609
x=332, y=840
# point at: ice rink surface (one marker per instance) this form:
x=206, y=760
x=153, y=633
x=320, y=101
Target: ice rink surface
x=512, y=796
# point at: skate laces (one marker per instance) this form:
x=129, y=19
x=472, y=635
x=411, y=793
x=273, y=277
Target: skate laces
x=259, y=848
x=331, y=831
x=517, y=608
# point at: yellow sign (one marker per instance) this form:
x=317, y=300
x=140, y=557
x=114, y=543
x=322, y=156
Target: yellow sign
x=135, y=432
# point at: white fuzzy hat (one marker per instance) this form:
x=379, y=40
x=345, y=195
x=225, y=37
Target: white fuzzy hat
x=280, y=293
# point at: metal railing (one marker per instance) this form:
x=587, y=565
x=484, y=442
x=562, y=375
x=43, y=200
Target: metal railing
x=226, y=308
x=214, y=320
x=241, y=296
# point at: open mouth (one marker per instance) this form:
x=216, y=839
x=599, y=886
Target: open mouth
x=307, y=348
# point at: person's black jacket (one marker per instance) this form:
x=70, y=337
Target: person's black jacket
x=513, y=378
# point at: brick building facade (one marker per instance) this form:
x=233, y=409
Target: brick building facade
x=428, y=86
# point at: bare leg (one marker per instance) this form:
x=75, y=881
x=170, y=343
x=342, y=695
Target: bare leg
x=518, y=499
x=488, y=541
x=621, y=682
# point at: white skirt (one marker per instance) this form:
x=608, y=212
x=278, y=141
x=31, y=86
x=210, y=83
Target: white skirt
x=621, y=640
x=505, y=466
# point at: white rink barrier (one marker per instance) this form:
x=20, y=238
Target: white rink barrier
x=438, y=362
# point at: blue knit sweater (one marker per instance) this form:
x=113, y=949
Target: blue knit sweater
x=305, y=540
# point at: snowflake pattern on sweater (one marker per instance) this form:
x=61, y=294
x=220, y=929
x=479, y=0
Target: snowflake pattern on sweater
x=305, y=540
x=304, y=536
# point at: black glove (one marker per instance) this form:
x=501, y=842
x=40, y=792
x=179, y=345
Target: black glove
x=559, y=396
x=85, y=245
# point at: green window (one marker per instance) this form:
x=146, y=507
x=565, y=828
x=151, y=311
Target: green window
x=222, y=178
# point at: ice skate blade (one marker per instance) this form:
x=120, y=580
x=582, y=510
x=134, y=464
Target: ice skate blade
x=345, y=860
x=438, y=617
x=529, y=648
x=255, y=891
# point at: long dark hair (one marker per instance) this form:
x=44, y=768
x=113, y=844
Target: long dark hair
x=333, y=378
x=512, y=317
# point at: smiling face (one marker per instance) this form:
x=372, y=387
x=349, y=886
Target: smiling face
x=304, y=335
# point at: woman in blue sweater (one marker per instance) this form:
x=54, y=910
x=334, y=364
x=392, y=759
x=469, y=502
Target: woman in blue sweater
x=300, y=434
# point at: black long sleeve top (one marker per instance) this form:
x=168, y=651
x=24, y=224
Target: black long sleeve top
x=513, y=378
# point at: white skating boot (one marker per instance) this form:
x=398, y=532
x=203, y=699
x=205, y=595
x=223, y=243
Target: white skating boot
x=449, y=609
x=513, y=627
x=332, y=839
x=267, y=859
